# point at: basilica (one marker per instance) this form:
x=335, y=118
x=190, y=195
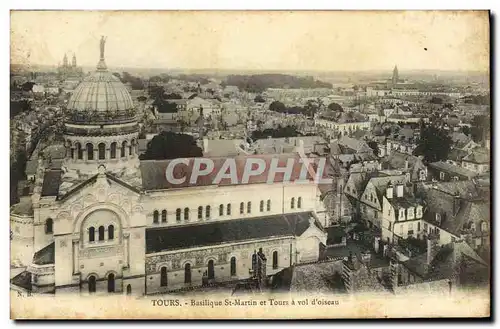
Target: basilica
x=107, y=222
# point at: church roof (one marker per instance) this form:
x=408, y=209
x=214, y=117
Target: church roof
x=207, y=234
x=51, y=182
x=45, y=255
x=154, y=178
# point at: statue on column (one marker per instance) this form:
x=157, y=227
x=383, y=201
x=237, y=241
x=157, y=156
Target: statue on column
x=103, y=42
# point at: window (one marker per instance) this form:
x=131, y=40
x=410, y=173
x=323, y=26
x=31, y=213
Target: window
x=155, y=217
x=111, y=282
x=268, y=205
x=187, y=273
x=299, y=202
x=72, y=153
x=410, y=226
x=242, y=208
x=484, y=227
x=221, y=210
x=186, y=213
x=441, y=175
x=401, y=229
x=101, y=233
x=91, y=234
x=49, y=226
x=207, y=212
x=371, y=197
x=164, y=216
x=228, y=209
x=473, y=227
x=375, y=214
x=275, y=260
x=111, y=232
x=133, y=147
x=102, y=151
x=249, y=207
x=178, y=214
x=113, y=150
x=92, y=284
x=418, y=226
x=90, y=151
x=200, y=212
x=163, y=277
x=233, y=266
x=292, y=203
x=211, y=271
x=79, y=153
x=261, y=206
x=130, y=148
x=124, y=147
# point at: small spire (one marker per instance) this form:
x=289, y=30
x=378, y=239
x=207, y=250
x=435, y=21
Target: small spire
x=101, y=66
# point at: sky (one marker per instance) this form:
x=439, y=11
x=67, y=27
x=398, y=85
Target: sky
x=272, y=40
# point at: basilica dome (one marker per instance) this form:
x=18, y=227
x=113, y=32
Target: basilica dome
x=101, y=91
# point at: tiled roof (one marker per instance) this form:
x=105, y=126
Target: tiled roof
x=45, y=255
x=208, y=234
x=51, y=182
x=154, y=177
x=478, y=156
x=448, y=167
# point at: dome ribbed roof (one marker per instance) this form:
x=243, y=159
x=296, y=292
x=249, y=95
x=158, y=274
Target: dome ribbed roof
x=100, y=92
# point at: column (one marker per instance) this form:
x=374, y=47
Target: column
x=126, y=248
x=75, y=256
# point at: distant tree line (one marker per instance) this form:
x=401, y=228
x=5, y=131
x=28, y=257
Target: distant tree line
x=169, y=145
x=260, y=82
x=434, y=144
x=477, y=99
x=309, y=109
x=279, y=132
x=135, y=82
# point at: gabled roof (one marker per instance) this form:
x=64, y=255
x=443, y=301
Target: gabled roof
x=453, y=169
x=45, y=255
x=219, y=232
x=478, y=156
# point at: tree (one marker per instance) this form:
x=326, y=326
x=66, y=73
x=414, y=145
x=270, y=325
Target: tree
x=141, y=98
x=172, y=96
x=374, y=146
x=335, y=107
x=434, y=144
x=27, y=86
x=480, y=128
x=277, y=107
x=436, y=100
x=169, y=145
x=466, y=130
x=259, y=99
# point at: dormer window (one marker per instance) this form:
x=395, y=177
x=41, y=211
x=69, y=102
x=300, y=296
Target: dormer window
x=484, y=227
x=473, y=227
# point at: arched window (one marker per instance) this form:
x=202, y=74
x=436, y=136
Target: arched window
x=207, y=212
x=131, y=147
x=200, y=212
x=163, y=216
x=134, y=146
x=90, y=151
x=268, y=205
x=228, y=209
x=111, y=282
x=124, y=147
x=299, y=202
x=163, y=278
x=155, y=216
x=178, y=214
x=249, y=207
x=48, y=226
x=91, y=234
x=187, y=273
x=72, y=153
x=275, y=260
x=113, y=150
x=186, y=213
x=261, y=207
x=233, y=266
x=292, y=203
x=211, y=271
x=79, y=151
x=92, y=284
x=129, y=289
x=221, y=210
x=101, y=233
x=242, y=208
x=111, y=232
x=102, y=151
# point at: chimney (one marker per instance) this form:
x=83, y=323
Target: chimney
x=389, y=191
x=205, y=145
x=399, y=190
x=406, y=165
x=456, y=204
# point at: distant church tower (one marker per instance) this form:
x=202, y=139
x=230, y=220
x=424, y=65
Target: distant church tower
x=395, y=75
x=73, y=61
x=65, y=60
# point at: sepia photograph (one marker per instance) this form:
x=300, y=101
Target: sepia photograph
x=250, y=164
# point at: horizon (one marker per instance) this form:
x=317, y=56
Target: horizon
x=254, y=41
